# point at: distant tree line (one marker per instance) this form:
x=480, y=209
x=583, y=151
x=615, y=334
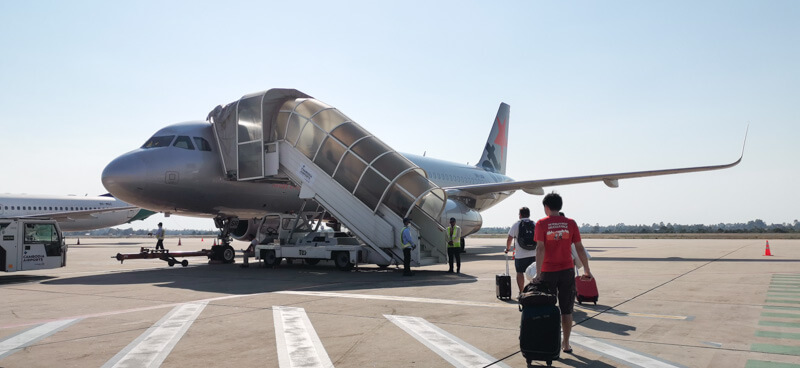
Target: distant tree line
x=754, y=226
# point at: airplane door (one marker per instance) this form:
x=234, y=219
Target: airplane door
x=41, y=247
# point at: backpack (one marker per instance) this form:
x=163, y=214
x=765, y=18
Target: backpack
x=525, y=235
x=536, y=294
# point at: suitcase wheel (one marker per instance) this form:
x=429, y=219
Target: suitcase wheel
x=549, y=363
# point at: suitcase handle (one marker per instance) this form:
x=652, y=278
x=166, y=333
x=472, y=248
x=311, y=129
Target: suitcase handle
x=507, y=272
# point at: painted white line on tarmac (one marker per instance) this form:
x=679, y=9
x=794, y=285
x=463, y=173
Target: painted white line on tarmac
x=625, y=356
x=154, y=345
x=463, y=303
x=298, y=343
x=454, y=350
x=398, y=299
x=13, y=343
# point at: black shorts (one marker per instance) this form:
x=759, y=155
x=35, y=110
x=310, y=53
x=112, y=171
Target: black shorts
x=563, y=282
x=521, y=264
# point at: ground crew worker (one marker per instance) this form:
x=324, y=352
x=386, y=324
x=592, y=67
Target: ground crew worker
x=408, y=246
x=453, y=238
x=160, y=237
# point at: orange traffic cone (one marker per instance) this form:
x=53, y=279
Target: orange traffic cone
x=767, y=252
x=201, y=239
x=215, y=242
x=179, y=241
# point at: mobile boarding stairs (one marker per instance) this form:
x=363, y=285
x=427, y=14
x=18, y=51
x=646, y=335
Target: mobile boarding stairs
x=285, y=135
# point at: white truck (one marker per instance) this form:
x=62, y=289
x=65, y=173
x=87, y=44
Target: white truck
x=31, y=244
x=296, y=240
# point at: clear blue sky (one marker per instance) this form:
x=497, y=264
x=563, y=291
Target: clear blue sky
x=594, y=87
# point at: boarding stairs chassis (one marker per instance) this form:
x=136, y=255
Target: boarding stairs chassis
x=345, y=257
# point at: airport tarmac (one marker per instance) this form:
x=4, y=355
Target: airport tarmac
x=663, y=303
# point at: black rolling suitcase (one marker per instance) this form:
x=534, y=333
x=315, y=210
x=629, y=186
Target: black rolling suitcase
x=540, y=326
x=503, y=284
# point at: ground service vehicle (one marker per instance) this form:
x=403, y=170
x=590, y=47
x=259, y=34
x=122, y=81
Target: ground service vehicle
x=31, y=244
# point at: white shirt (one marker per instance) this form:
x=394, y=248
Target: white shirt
x=519, y=252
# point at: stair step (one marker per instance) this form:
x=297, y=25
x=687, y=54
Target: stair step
x=427, y=261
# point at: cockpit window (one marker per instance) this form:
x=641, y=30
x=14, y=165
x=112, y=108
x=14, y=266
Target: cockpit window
x=161, y=141
x=184, y=142
x=202, y=144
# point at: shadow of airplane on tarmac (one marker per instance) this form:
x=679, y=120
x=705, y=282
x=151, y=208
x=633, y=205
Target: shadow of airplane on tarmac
x=233, y=279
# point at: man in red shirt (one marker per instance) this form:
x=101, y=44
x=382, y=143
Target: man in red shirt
x=554, y=236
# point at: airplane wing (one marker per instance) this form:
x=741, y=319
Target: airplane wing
x=79, y=215
x=611, y=180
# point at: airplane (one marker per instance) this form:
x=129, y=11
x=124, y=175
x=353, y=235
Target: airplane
x=72, y=213
x=180, y=170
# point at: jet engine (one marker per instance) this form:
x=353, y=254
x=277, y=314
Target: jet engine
x=245, y=230
x=467, y=218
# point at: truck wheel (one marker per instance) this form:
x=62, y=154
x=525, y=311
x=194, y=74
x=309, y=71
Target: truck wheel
x=269, y=258
x=228, y=254
x=312, y=261
x=342, y=261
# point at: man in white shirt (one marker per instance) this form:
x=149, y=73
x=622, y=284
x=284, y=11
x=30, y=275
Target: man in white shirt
x=522, y=257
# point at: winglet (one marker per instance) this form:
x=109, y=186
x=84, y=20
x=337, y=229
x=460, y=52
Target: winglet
x=746, y=130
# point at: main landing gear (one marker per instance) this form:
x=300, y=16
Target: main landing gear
x=224, y=251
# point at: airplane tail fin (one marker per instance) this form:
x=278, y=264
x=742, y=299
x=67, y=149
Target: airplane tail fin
x=495, y=151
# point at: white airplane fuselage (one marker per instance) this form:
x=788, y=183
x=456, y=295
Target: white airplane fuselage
x=73, y=213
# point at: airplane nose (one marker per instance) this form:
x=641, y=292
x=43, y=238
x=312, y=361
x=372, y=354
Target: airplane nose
x=125, y=176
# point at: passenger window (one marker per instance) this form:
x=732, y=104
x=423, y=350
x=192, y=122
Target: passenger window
x=202, y=144
x=184, y=142
x=161, y=141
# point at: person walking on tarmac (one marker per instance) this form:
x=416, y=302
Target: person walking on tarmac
x=160, y=237
x=521, y=236
x=554, y=237
x=408, y=246
x=453, y=238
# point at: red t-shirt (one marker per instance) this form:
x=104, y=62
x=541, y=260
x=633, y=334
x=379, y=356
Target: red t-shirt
x=558, y=233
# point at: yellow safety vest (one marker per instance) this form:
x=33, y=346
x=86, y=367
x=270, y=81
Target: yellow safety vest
x=403, y=238
x=453, y=235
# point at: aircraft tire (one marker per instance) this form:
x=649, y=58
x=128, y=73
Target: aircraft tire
x=228, y=254
x=342, y=261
